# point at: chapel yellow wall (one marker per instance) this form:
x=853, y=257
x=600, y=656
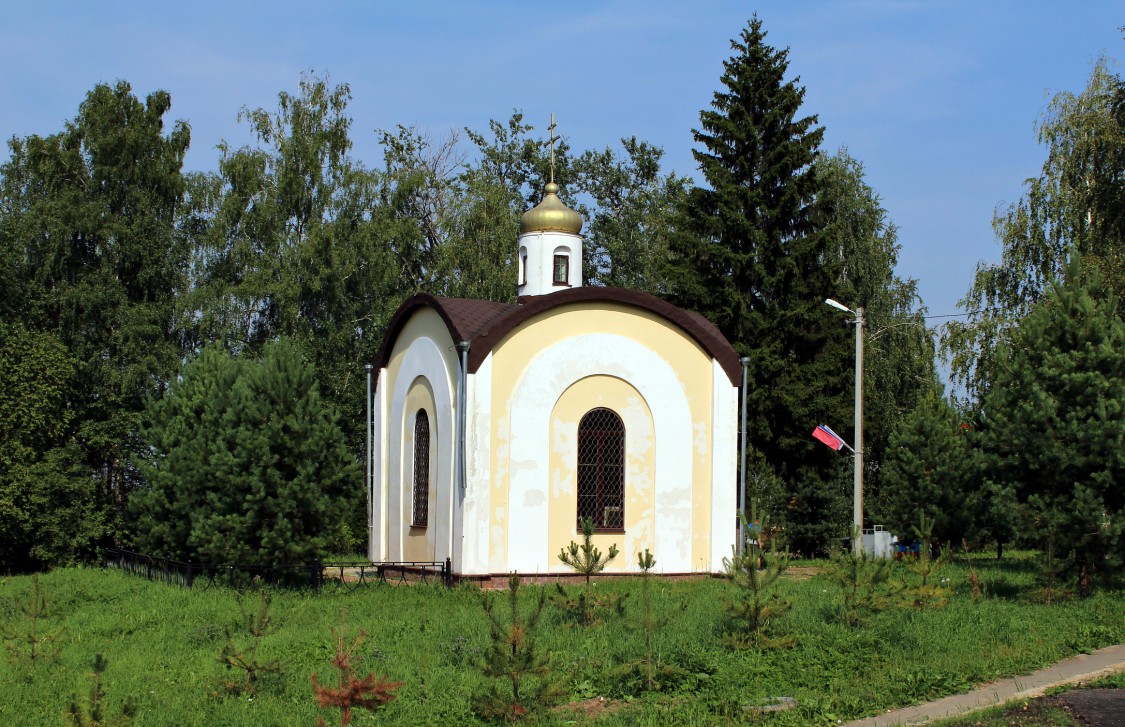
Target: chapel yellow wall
x=690, y=362
x=640, y=465
x=418, y=543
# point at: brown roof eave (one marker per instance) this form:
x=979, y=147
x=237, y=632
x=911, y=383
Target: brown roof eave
x=698, y=328
x=485, y=323
x=462, y=317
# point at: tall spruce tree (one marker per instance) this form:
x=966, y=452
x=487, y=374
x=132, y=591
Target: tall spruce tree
x=751, y=255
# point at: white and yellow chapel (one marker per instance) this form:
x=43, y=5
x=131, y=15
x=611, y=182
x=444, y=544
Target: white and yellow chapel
x=497, y=428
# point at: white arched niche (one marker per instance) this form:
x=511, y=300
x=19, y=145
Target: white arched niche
x=422, y=359
x=545, y=379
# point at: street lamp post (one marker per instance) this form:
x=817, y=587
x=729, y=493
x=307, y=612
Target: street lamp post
x=857, y=495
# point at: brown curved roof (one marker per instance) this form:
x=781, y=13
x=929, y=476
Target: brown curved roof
x=484, y=323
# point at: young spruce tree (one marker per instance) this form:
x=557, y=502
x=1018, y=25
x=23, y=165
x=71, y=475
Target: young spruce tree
x=751, y=255
x=514, y=659
x=1054, y=420
x=927, y=471
x=587, y=560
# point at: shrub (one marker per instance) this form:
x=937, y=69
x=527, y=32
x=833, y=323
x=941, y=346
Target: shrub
x=248, y=464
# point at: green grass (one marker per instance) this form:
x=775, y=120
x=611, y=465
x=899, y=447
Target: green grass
x=162, y=644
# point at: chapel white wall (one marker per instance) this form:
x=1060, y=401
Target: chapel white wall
x=541, y=249
x=416, y=355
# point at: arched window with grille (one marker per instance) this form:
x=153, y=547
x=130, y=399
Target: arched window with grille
x=601, y=470
x=421, y=470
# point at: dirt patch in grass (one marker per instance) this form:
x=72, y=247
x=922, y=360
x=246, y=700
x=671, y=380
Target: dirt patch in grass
x=802, y=572
x=590, y=709
x=1049, y=711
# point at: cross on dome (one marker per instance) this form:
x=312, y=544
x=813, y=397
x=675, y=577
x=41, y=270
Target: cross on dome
x=551, y=215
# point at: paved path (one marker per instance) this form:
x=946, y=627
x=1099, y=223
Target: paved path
x=1083, y=667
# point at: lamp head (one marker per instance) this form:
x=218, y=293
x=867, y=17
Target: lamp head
x=838, y=306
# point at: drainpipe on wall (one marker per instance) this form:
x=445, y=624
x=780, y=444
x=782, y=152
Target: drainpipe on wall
x=462, y=396
x=742, y=454
x=369, y=470
x=461, y=463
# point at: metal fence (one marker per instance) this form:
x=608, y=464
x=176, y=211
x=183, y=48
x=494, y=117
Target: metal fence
x=312, y=576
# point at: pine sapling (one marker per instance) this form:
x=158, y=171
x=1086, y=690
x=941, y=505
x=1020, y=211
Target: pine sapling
x=926, y=567
x=646, y=563
x=370, y=693
x=1046, y=520
x=864, y=581
x=648, y=673
x=92, y=715
x=514, y=658
x=30, y=642
x=587, y=560
x=755, y=606
x=974, y=576
x=244, y=659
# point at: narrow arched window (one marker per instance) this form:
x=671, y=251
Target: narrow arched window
x=562, y=270
x=421, y=469
x=561, y=267
x=601, y=470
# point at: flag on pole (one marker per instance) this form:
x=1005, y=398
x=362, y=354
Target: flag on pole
x=829, y=437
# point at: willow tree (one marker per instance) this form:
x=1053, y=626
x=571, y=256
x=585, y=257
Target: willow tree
x=88, y=230
x=1074, y=205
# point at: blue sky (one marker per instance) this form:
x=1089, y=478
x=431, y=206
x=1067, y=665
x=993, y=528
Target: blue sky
x=937, y=99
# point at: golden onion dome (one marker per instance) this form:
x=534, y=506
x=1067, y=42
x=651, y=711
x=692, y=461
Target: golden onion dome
x=551, y=215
